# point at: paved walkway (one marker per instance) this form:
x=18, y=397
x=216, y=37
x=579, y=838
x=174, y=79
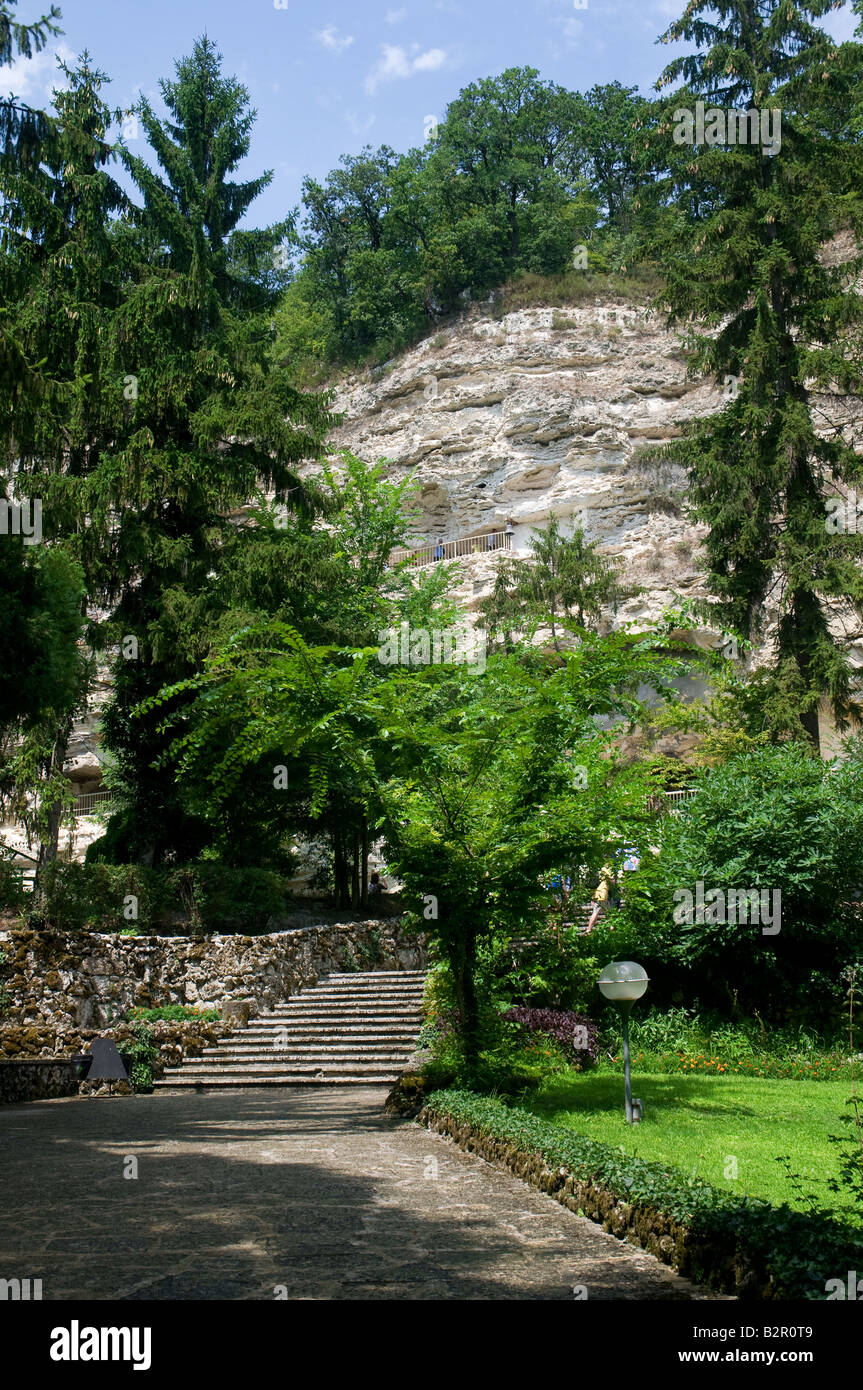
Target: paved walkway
x=314, y=1191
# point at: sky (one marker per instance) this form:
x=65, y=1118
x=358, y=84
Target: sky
x=329, y=76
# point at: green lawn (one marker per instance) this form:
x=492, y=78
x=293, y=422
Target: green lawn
x=700, y=1123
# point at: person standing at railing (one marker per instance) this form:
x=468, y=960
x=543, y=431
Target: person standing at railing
x=607, y=896
x=438, y=550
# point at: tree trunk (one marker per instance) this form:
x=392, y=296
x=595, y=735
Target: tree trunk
x=466, y=998
x=340, y=872
x=364, y=887
x=49, y=846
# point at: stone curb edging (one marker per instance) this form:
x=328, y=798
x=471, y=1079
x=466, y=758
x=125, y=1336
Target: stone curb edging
x=654, y=1230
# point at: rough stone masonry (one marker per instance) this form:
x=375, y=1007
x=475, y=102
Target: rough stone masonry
x=68, y=980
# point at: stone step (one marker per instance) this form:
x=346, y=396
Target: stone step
x=351, y=1046
x=378, y=982
x=288, y=1059
x=352, y=976
x=367, y=982
x=302, y=1037
x=350, y=1029
x=176, y=1084
x=356, y=996
x=334, y=1010
x=334, y=1023
x=364, y=1001
x=266, y=1024
x=354, y=1011
x=354, y=1065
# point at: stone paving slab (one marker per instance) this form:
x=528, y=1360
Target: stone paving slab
x=309, y=1190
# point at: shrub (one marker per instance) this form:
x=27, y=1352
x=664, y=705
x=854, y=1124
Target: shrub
x=509, y=1059
x=98, y=896
x=554, y=970
x=574, y=1033
x=143, y=1053
x=172, y=1013
x=744, y=830
x=12, y=895
x=219, y=898
x=212, y=897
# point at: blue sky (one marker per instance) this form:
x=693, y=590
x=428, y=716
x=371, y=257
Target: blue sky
x=329, y=77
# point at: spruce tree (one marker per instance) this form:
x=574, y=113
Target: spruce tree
x=25, y=133
x=775, y=321
x=58, y=284
x=566, y=578
x=210, y=421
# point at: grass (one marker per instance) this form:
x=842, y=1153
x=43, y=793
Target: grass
x=172, y=1013
x=529, y=291
x=699, y=1124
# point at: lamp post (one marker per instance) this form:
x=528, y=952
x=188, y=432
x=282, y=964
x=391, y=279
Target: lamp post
x=623, y=982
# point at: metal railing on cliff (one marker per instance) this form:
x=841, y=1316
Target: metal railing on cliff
x=451, y=550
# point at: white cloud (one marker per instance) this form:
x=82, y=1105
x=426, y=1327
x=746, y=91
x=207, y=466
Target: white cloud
x=429, y=61
x=572, y=30
x=357, y=126
x=333, y=40
x=32, y=79
x=395, y=62
x=396, y=16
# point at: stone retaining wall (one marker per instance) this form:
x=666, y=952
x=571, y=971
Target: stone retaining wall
x=175, y=1041
x=32, y=1079
x=74, y=980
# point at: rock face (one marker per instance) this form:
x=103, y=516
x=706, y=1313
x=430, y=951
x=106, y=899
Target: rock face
x=541, y=414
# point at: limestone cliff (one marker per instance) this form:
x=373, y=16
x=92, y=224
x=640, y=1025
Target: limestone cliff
x=542, y=412
x=536, y=414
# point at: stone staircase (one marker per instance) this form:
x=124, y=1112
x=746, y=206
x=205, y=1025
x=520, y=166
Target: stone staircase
x=351, y=1030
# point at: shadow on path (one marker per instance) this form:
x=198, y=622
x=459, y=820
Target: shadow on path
x=313, y=1193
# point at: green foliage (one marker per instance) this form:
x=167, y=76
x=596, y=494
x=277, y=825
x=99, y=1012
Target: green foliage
x=519, y=172
x=218, y=898
x=678, y=1038
x=794, y=1254
x=188, y=415
x=25, y=134
x=565, y=578
x=776, y=819
x=481, y=804
x=143, y=1053
x=205, y=897
x=341, y=593
x=548, y=970
x=741, y=246
x=850, y=1145
x=172, y=1013
x=369, y=949
x=12, y=896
